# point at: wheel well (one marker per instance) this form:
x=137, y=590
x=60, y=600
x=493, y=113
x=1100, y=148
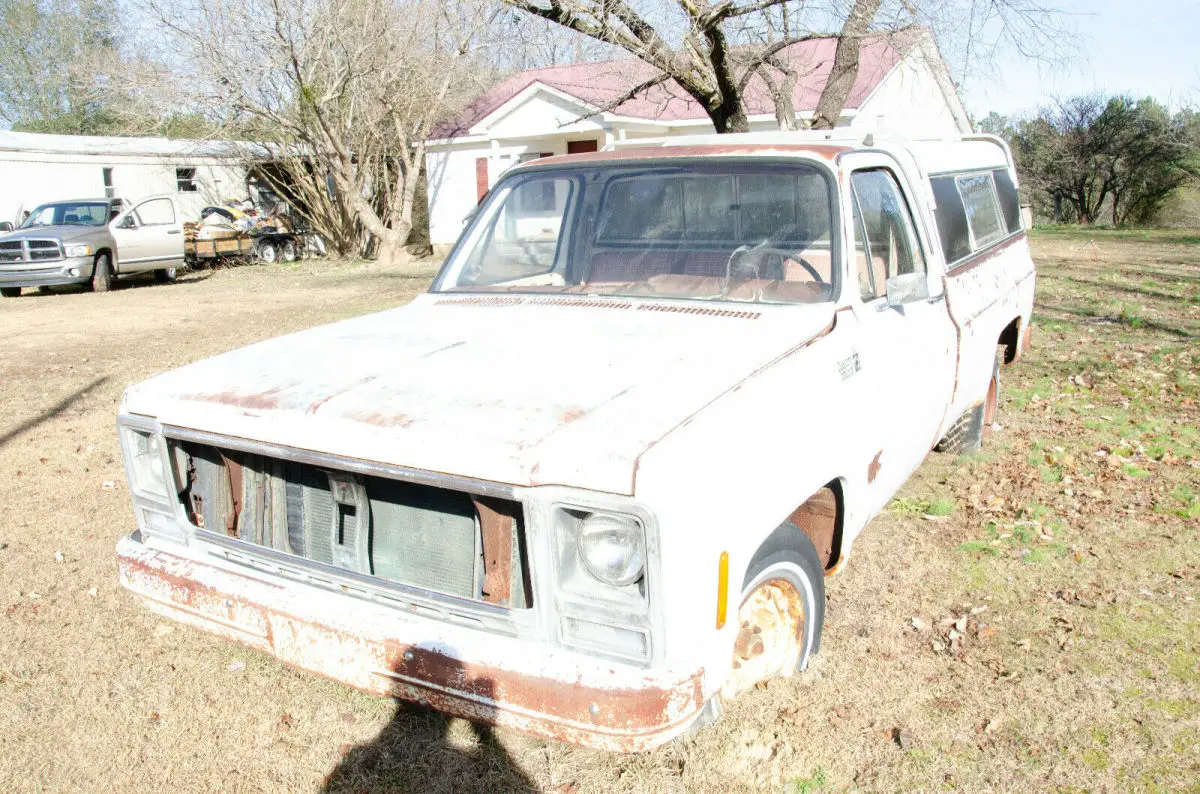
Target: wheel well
x=820, y=517
x=1010, y=338
x=104, y=251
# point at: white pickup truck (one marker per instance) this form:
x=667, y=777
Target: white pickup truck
x=590, y=484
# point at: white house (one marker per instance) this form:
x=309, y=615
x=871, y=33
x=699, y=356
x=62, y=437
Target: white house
x=36, y=168
x=902, y=87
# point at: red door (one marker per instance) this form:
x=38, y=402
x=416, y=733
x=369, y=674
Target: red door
x=579, y=147
x=481, y=178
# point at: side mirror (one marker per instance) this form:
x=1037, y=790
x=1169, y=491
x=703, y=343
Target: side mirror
x=6, y=226
x=907, y=288
x=125, y=223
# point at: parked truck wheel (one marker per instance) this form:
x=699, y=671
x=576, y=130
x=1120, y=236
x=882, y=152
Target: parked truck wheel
x=166, y=275
x=287, y=251
x=10, y=292
x=781, y=612
x=102, y=275
x=267, y=252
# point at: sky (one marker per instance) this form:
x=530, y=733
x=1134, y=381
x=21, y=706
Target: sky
x=1139, y=47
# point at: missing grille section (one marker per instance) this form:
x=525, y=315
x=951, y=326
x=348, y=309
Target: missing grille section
x=408, y=533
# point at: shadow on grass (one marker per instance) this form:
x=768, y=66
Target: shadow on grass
x=50, y=413
x=1086, y=317
x=416, y=752
x=1128, y=289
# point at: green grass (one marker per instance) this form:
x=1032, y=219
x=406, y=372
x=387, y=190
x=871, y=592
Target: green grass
x=814, y=782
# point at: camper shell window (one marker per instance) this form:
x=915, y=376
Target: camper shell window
x=975, y=210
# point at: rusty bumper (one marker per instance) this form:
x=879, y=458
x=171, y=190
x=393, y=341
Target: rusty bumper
x=503, y=681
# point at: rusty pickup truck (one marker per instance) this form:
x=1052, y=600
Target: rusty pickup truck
x=590, y=484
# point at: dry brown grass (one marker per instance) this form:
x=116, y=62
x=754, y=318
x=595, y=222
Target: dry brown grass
x=1081, y=674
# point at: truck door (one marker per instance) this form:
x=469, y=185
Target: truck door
x=906, y=351
x=149, y=236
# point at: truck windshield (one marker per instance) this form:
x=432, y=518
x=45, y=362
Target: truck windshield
x=720, y=231
x=73, y=213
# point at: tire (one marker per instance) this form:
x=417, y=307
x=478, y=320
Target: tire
x=287, y=250
x=965, y=436
x=102, y=274
x=267, y=252
x=785, y=567
x=166, y=275
x=44, y=290
x=10, y=292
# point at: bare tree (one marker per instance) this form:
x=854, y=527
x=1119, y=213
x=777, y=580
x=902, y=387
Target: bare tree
x=714, y=50
x=344, y=92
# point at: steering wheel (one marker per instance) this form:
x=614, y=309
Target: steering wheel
x=782, y=253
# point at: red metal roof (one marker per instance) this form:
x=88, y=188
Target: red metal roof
x=600, y=83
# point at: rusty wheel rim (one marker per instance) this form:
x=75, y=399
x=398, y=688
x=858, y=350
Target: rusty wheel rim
x=770, y=635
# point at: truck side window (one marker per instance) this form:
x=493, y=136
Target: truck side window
x=951, y=219
x=983, y=209
x=885, y=243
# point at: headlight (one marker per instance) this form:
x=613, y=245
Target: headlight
x=612, y=547
x=79, y=250
x=144, y=451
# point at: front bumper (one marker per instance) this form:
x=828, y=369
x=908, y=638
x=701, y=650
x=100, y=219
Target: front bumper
x=477, y=675
x=49, y=274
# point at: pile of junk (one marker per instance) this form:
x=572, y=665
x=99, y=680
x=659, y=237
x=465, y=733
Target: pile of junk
x=239, y=229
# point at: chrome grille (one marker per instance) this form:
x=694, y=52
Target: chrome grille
x=40, y=250
x=29, y=251
x=13, y=251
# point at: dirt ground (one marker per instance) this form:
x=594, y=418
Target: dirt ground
x=1024, y=620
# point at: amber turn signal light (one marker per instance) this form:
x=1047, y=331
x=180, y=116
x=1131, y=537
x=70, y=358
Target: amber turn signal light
x=722, y=588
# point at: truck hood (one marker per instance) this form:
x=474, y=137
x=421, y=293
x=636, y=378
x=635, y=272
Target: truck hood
x=520, y=390
x=65, y=233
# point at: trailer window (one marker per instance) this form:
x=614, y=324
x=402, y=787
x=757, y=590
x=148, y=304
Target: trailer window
x=185, y=180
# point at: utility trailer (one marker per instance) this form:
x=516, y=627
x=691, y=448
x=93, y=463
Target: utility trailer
x=269, y=247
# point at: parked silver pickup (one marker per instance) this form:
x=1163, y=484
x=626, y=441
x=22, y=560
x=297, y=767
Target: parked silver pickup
x=92, y=241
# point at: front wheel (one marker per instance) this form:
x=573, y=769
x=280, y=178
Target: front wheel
x=102, y=275
x=782, y=611
x=10, y=292
x=166, y=275
x=287, y=251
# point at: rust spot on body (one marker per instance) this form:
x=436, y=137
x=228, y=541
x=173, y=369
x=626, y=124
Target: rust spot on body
x=624, y=719
x=382, y=419
x=874, y=466
x=266, y=401
x=571, y=414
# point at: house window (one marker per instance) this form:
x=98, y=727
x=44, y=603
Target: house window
x=185, y=180
x=109, y=190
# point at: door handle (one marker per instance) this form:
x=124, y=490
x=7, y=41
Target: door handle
x=175, y=231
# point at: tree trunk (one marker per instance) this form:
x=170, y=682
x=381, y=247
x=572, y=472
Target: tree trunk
x=845, y=65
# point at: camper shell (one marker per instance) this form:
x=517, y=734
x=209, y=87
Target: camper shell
x=590, y=484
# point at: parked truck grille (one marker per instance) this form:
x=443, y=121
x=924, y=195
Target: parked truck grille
x=13, y=251
x=41, y=250
x=29, y=251
x=407, y=533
